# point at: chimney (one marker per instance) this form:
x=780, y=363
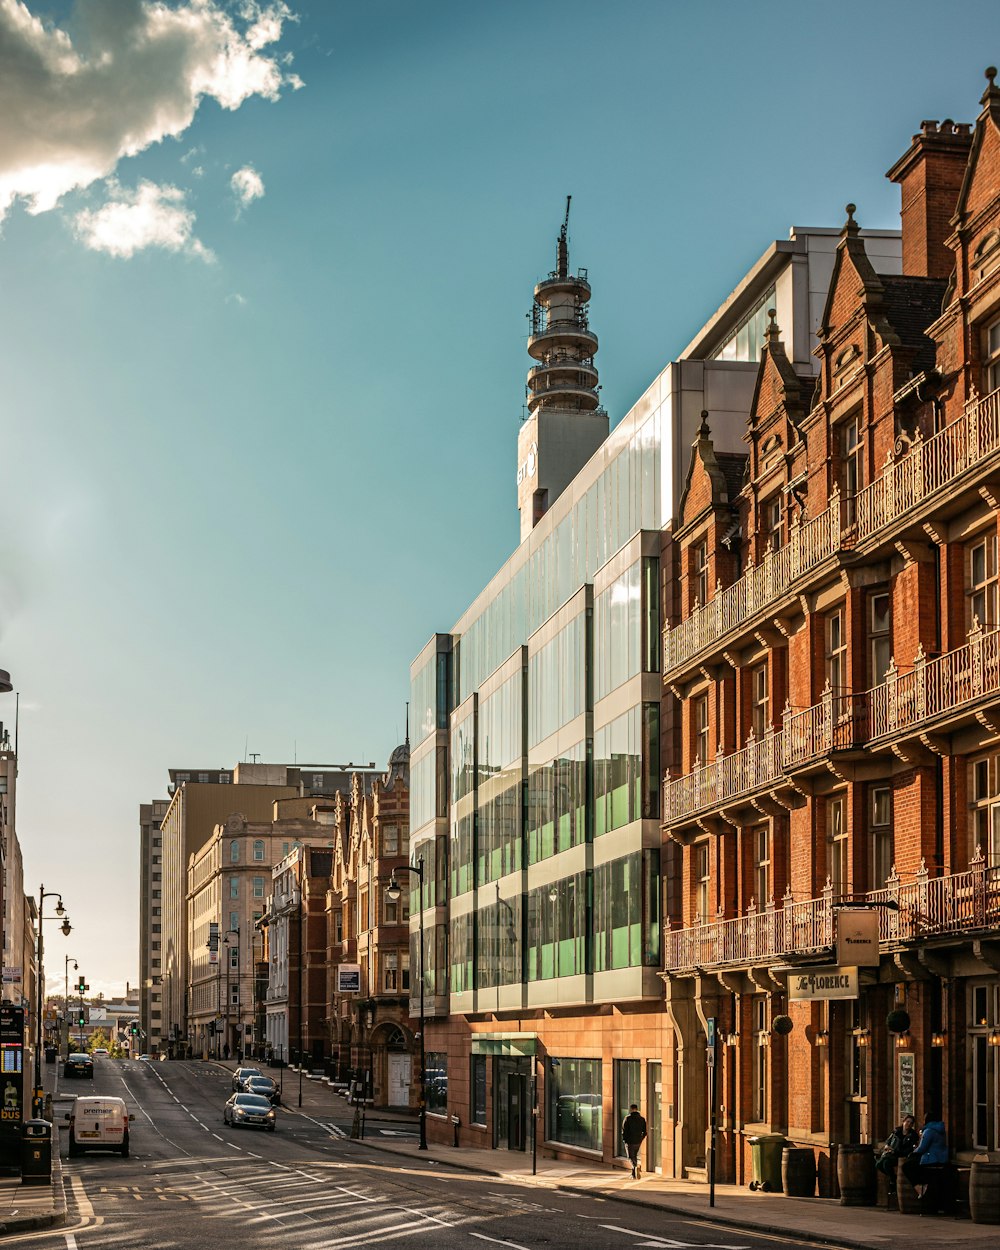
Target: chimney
x=930, y=177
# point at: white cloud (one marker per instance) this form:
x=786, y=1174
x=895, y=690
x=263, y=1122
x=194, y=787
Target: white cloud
x=236, y=298
x=149, y=216
x=247, y=186
x=134, y=73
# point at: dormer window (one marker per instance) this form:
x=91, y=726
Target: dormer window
x=992, y=369
x=773, y=518
x=986, y=257
x=699, y=571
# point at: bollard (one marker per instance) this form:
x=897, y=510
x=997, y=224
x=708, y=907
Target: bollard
x=456, y=1124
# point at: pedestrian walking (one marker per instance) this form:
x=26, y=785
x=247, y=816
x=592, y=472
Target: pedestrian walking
x=633, y=1135
x=225, y=1051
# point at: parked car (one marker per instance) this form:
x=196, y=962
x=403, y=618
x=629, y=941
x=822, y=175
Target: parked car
x=145, y=1058
x=265, y=1087
x=98, y=1124
x=242, y=1075
x=249, y=1109
x=78, y=1064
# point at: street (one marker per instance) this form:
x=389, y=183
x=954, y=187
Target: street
x=191, y=1181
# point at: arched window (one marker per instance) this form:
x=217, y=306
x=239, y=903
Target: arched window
x=258, y=850
x=234, y=852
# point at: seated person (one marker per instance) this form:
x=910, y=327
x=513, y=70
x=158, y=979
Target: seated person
x=927, y=1168
x=900, y=1144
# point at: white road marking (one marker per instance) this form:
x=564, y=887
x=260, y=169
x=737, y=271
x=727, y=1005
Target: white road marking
x=70, y=1242
x=668, y=1242
x=497, y=1242
x=217, y=1137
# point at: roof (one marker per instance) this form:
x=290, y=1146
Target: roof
x=911, y=305
x=734, y=466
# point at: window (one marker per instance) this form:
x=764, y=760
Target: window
x=477, y=1089
x=880, y=831
x=157, y=841
x=390, y=973
x=234, y=887
x=772, y=516
x=746, y=340
x=258, y=887
x=234, y=852
x=851, y=464
x=984, y=1088
x=576, y=1097
x=258, y=850
x=626, y=1081
x=699, y=714
x=317, y=781
x=224, y=779
x=761, y=1040
x=390, y=840
x=762, y=865
x=699, y=568
x=879, y=637
x=857, y=1047
x=993, y=357
x=234, y=956
x=985, y=822
x=836, y=844
x=760, y=721
x=234, y=994
x=836, y=651
x=437, y=1082
x=203, y=778
x=234, y=921
x=983, y=582
x=701, y=882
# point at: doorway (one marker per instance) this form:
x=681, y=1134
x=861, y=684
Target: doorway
x=511, y=1085
x=654, y=1116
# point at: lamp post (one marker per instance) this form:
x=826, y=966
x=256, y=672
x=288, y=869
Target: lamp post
x=38, y=1096
x=76, y=968
x=393, y=891
x=302, y=973
x=229, y=966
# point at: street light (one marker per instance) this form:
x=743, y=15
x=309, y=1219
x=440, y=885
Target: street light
x=76, y=968
x=38, y=1097
x=229, y=967
x=392, y=893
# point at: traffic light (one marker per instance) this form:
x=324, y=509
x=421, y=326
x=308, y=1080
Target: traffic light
x=80, y=1020
x=82, y=986
x=135, y=1029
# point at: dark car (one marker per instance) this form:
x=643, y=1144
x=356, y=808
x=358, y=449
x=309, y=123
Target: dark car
x=79, y=1064
x=241, y=1075
x=265, y=1087
x=249, y=1110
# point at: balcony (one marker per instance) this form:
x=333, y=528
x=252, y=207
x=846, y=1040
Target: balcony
x=757, y=591
x=934, y=690
x=965, y=902
x=930, y=467
x=908, y=485
x=836, y=723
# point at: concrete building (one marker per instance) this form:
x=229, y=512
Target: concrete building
x=151, y=1021
x=541, y=731
x=834, y=791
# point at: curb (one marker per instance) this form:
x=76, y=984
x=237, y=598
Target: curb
x=714, y=1217
x=51, y=1219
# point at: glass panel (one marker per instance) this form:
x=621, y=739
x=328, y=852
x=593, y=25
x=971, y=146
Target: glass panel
x=626, y=1078
x=576, y=1097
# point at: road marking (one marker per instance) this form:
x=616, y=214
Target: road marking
x=70, y=1242
x=668, y=1242
x=217, y=1137
x=497, y=1242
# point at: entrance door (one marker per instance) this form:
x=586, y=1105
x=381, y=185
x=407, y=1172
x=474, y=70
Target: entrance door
x=399, y=1080
x=654, y=1116
x=517, y=1108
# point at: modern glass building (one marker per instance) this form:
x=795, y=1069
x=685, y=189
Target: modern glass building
x=540, y=739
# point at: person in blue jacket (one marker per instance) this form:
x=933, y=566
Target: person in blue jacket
x=931, y=1152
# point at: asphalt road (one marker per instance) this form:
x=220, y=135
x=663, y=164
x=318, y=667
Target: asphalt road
x=191, y=1181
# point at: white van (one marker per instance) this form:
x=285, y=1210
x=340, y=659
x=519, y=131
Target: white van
x=98, y=1124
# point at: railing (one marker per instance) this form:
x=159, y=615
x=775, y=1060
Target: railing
x=761, y=586
x=838, y=722
x=963, y=902
x=933, y=687
x=929, y=466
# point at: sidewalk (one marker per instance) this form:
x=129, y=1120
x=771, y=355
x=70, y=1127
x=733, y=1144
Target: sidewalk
x=27, y=1207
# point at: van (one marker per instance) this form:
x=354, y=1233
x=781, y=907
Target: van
x=98, y=1124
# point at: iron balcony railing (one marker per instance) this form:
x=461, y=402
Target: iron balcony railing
x=928, y=468
x=964, y=902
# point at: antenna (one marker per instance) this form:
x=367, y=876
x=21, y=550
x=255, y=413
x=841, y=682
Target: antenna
x=255, y=756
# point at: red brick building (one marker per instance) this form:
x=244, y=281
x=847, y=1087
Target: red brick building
x=832, y=657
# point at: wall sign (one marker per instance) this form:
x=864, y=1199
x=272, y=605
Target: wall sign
x=348, y=978
x=857, y=938
x=823, y=983
x=905, y=1082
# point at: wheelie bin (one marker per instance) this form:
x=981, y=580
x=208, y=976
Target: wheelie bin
x=765, y=1162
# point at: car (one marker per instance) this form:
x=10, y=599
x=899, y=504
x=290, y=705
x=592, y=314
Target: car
x=100, y=1050
x=145, y=1058
x=99, y=1124
x=265, y=1087
x=78, y=1064
x=246, y=1110
x=243, y=1074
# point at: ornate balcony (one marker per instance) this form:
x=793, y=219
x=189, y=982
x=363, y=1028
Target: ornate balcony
x=918, y=480
x=926, y=907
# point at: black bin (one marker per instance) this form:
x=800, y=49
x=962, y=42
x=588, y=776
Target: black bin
x=50, y=1054
x=36, y=1153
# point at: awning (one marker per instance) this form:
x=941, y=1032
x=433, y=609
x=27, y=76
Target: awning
x=524, y=1044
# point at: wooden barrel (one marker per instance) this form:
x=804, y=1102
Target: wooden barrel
x=906, y=1195
x=798, y=1172
x=984, y=1192
x=856, y=1175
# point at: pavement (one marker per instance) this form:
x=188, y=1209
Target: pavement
x=24, y=1208
x=812, y=1221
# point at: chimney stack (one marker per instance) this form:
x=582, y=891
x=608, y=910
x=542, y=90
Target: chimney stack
x=930, y=177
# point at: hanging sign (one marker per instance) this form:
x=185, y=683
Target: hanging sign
x=857, y=938
x=823, y=983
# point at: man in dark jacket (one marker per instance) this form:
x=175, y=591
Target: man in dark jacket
x=900, y=1144
x=633, y=1135
x=927, y=1167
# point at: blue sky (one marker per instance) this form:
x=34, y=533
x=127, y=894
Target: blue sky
x=248, y=467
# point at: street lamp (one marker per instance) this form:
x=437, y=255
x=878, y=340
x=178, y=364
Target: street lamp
x=229, y=967
x=392, y=893
x=38, y=1097
x=76, y=968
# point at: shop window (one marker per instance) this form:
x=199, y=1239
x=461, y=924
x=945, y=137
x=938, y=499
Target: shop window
x=982, y=574
x=627, y=1077
x=437, y=1082
x=575, y=1102
x=879, y=637
x=880, y=835
x=761, y=1051
x=477, y=1089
